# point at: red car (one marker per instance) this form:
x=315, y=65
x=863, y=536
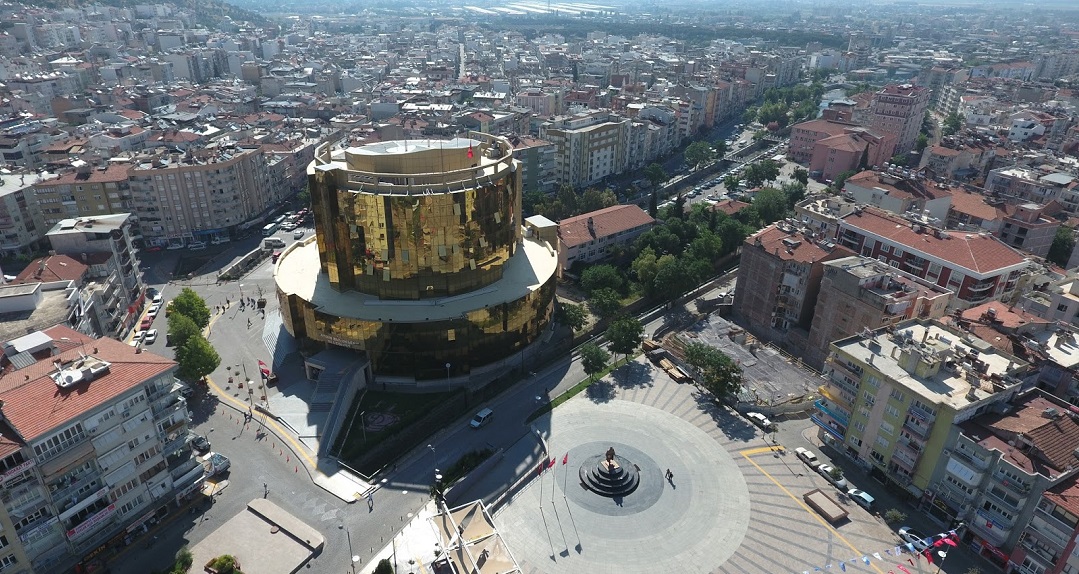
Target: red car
x=146, y=322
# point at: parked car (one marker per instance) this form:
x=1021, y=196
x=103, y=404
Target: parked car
x=759, y=420
x=481, y=419
x=196, y=245
x=807, y=456
x=861, y=498
x=825, y=470
x=908, y=534
x=157, y=298
x=298, y=234
x=146, y=322
x=151, y=336
x=200, y=443
x=216, y=463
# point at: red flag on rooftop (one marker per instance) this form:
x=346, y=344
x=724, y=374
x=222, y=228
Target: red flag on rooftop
x=553, y=460
x=565, y=459
x=470, y=151
x=264, y=369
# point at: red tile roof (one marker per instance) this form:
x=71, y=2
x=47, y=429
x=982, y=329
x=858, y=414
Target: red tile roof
x=729, y=206
x=34, y=405
x=797, y=248
x=111, y=174
x=56, y=268
x=1004, y=316
x=574, y=231
x=974, y=204
x=1054, y=439
x=1065, y=494
x=977, y=253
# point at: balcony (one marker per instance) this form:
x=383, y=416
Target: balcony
x=844, y=382
x=852, y=371
x=921, y=414
x=980, y=287
x=916, y=430
x=1041, y=553
x=910, y=446
x=173, y=405
x=1016, y=487
x=833, y=411
x=1001, y=500
x=901, y=458
x=966, y=457
x=836, y=395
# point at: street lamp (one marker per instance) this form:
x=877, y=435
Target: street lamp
x=448, y=372
x=943, y=554
x=434, y=456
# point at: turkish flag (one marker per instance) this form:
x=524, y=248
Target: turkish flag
x=565, y=459
x=470, y=152
x=551, y=465
x=539, y=469
x=264, y=369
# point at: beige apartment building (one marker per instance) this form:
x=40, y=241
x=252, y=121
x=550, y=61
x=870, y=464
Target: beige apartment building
x=201, y=196
x=899, y=109
x=88, y=190
x=590, y=146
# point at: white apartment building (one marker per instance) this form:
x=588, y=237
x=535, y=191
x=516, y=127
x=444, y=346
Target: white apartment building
x=590, y=146
x=21, y=222
x=110, y=453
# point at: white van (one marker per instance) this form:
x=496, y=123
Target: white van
x=273, y=243
x=481, y=419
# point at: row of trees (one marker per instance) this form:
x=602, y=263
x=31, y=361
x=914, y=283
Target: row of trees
x=623, y=335
x=188, y=317
x=567, y=202
x=785, y=106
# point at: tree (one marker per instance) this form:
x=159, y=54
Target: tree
x=706, y=247
x=645, y=267
x=900, y=159
x=768, y=169
x=1063, y=244
x=794, y=192
x=189, y=303
x=952, y=124
x=801, y=176
x=624, y=335
x=197, y=358
x=720, y=147
x=605, y=302
x=921, y=143
x=698, y=153
x=601, y=277
x=655, y=174
x=749, y=116
x=771, y=203
x=841, y=179
x=304, y=197
x=673, y=277
x=224, y=564
x=679, y=207
x=573, y=316
x=594, y=199
x=384, y=566
x=730, y=182
x=653, y=205
x=718, y=373
x=181, y=329
x=593, y=359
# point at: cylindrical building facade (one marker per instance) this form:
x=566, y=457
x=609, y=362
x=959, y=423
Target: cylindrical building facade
x=419, y=258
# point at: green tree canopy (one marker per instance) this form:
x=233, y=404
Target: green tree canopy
x=718, y=373
x=593, y=358
x=1063, y=244
x=624, y=335
x=384, y=566
x=841, y=179
x=653, y=205
x=602, y=277
x=605, y=302
x=197, y=358
x=801, y=176
x=921, y=143
x=189, y=303
x=749, y=116
x=771, y=203
x=573, y=316
x=644, y=268
x=706, y=247
x=720, y=147
x=181, y=329
x=795, y=192
x=730, y=182
x=655, y=174
x=699, y=153
x=952, y=124
x=594, y=199
x=674, y=277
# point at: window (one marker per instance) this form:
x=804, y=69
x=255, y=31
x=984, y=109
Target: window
x=896, y=394
x=1063, y=307
x=892, y=411
x=882, y=442
x=868, y=397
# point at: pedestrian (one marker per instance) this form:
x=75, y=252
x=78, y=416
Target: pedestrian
x=370, y=502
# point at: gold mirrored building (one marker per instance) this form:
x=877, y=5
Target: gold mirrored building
x=419, y=258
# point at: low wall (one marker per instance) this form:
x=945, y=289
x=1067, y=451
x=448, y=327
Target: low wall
x=244, y=264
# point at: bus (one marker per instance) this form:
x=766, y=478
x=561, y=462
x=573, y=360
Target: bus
x=270, y=229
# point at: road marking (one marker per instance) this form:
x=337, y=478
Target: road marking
x=300, y=449
x=805, y=506
x=753, y=451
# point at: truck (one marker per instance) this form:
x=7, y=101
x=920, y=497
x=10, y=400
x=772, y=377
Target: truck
x=216, y=463
x=825, y=505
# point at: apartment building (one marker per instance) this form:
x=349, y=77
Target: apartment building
x=203, y=195
x=899, y=110
x=1048, y=543
x=891, y=396
x=108, y=454
x=21, y=223
x=805, y=135
x=852, y=150
x=977, y=267
x=994, y=467
x=1037, y=185
x=590, y=236
x=786, y=264
x=822, y=213
x=857, y=291
x=104, y=243
x=900, y=191
x=537, y=159
x=1027, y=227
x=86, y=191
x=590, y=146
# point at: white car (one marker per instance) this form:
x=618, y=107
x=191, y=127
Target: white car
x=825, y=470
x=151, y=336
x=157, y=299
x=759, y=420
x=908, y=534
x=298, y=234
x=807, y=457
x=861, y=498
